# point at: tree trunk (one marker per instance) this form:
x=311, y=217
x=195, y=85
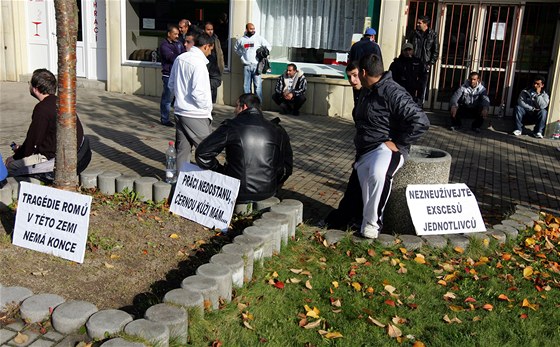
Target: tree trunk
x=66, y=12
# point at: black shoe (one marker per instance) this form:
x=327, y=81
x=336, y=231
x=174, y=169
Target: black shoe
x=167, y=124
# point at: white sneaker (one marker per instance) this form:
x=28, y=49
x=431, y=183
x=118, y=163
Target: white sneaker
x=370, y=231
x=539, y=136
x=517, y=132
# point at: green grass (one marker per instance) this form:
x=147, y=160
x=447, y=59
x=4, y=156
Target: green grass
x=417, y=304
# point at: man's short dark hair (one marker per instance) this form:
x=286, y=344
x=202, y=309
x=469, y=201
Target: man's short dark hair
x=293, y=66
x=170, y=27
x=208, y=23
x=250, y=100
x=474, y=73
x=425, y=19
x=203, y=39
x=372, y=65
x=352, y=65
x=44, y=81
x=539, y=78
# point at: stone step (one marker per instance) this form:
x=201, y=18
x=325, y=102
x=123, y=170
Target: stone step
x=69, y=317
x=109, y=322
x=38, y=308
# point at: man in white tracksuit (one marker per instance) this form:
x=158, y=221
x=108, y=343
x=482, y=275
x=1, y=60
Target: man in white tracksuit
x=190, y=83
x=246, y=47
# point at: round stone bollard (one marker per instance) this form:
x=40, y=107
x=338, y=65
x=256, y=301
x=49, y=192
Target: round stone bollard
x=283, y=221
x=38, y=307
x=246, y=253
x=289, y=211
x=68, y=317
x=155, y=333
x=264, y=205
x=162, y=191
x=234, y=263
x=107, y=322
x=276, y=232
x=144, y=187
x=13, y=294
x=120, y=342
x=88, y=178
x=15, y=187
x=425, y=165
x=6, y=193
x=125, y=182
x=187, y=298
x=221, y=274
x=106, y=182
x=175, y=318
x=256, y=244
x=265, y=234
x=207, y=287
x=297, y=205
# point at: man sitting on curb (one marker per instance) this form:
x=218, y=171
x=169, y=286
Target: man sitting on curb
x=469, y=100
x=531, y=107
x=258, y=151
x=290, y=90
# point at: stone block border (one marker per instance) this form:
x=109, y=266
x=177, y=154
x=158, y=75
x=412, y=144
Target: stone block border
x=169, y=320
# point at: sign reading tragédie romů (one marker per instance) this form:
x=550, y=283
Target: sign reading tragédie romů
x=52, y=221
x=443, y=209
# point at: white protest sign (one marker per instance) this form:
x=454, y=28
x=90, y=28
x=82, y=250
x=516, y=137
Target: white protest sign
x=443, y=209
x=205, y=196
x=52, y=221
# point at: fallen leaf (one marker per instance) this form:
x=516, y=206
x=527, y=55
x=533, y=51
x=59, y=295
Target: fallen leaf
x=456, y=308
x=293, y=280
x=399, y=320
x=390, y=302
x=526, y=303
x=375, y=322
x=174, y=236
x=420, y=259
x=393, y=331
x=274, y=274
x=241, y=306
x=278, y=284
x=336, y=303
x=114, y=256
x=333, y=335
x=418, y=344
x=488, y=307
x=108, y=266
x=371, y=252
x=296, y=271
x=371, y=290
x=361, y=260
x=470, y=299
x=449, y=295
x=506, y=256
x=527, y=272
x=451, y=320
x=247, y=325
x=302, y=322
x=403, y=250
x=402, y=270
x=20, y=338
x=308, y=285
x=390, y=288
x=312, y=325
x=442, y=283
x=524, y=316
x=357, y=286
x=335, y=284
x=459, y=250
x=503, y=297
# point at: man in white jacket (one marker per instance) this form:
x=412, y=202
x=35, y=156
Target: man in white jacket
x=190, y=83
x=246, y=47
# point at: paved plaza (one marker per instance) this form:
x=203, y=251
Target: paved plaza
x=501, y=170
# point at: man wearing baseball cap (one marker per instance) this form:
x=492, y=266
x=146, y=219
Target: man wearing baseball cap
x=365, y=46
x=407, y=71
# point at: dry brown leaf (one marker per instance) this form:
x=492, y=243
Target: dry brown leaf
x=361, y=260
x=20, y=338
x=174, y=236
x=393, y=331
x=374, y=321
x=108, y=266
x=418, y=344
x=333, y=335
x=296, y=271
x=357, y=286
x=336, y=303
x=488, y=307
x=402, y=270
x=308, y=285
x=420, y=259
x=399, y=320
x=459, y=250
x=293, y=280
x=452, y=320
x=241, y=306
x=247, y=325
x=335, y=284
x=312, y=325
x=449, y=295
x=389, y=288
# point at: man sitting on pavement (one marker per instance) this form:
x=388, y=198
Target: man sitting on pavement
x=40, y=143
x=290, y=90
x=258, y=151
x=471, y=100
x=531, y=108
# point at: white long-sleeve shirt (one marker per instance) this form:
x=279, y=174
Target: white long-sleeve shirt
x=246, y=47
x=190, y=84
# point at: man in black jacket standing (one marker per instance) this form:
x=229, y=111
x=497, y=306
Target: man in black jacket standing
x=407, y=71
x=426, y=47
x=388, y=122
x=258, y=151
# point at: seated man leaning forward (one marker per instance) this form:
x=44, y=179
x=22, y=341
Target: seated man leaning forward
x=40, y=143
x=290, y=89
x=472, y=100
x=531, y=108
x=258, y=151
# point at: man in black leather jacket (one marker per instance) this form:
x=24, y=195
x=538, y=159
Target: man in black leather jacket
x=258, y=151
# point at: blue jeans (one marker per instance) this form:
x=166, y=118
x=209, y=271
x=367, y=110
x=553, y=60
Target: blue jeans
x=536, y=117
x=166, y=99
x=250, y=78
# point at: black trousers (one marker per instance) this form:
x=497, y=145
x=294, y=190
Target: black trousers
x=294, y=104
x=350, y=207
x=468, y=112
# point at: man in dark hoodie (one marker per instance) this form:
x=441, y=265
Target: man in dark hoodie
x=407, y=71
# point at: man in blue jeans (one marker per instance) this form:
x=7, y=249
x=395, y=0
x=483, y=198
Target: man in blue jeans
x=531, y=107
x=169, y=49
x=246, y=47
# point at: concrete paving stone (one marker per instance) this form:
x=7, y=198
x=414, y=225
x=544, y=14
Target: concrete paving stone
x=435, y=241
x=109, y=322
x=289, y=211
x=528, y=221
x=120, y=342
x=174, y=317
x=31, y=337
x=53, y=335
x=295, y=204
x=333, y=236
x=386, y=240
x=234, y=263
x=153, y=332
x=282, y=220
x=187, y=298
x=73, y=340
x=243, y=209
x=208, y=287
x=125, y=181
x=255, y=243
x=38, y=307
x=18, y=325
x=6, y=335
x=162, y=191
x=265, y=234
x=246, y=253
x=529, y=214
x=70, y=316
x=513, y=223
x=411, y=242
x=88, y=178
x=264, y=205
x=511, y=232
x=10, y=295
x=222, y=275
x=456, y=240
x=42, y=343
x=144, y=187
x=519, y=208
x=276, y=230
x=106, y=182
x=498, y=235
